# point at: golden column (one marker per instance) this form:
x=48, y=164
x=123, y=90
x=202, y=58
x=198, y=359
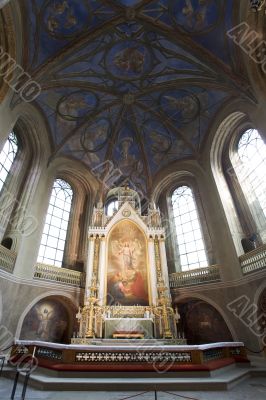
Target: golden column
x=91, y=293
x=164, y=307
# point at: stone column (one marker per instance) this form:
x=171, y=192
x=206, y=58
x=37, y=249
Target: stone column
x=224, y=245
x=73, y=232
x=30, y=238
x=153, y=279
x=101, y=272
x=89, y=266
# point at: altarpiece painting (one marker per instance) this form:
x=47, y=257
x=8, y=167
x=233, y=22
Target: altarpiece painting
x=127, y=280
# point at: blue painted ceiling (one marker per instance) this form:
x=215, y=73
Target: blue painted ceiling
x=132, y=83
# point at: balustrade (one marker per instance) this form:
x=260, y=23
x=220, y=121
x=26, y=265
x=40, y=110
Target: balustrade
x=254, y=260
x=195, y=277
x=7, y=259
x=61, y=275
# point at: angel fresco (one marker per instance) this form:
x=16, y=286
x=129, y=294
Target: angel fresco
x=61, y=15
x=130, y=60
x=127, y=281
x=45, y=317
x=196, y=16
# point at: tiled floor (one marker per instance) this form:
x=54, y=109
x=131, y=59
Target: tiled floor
x=252, y=389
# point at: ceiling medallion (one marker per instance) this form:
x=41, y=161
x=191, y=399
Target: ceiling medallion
x=128, y=60
x=67, y=18
x=128, y=99
x=126, y=213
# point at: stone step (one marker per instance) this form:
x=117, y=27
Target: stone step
x=225, y=379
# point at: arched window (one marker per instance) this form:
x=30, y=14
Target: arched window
x=7, y=157
x=111, y=207
x=250, y=168
x=56, y=224
x=191, y=247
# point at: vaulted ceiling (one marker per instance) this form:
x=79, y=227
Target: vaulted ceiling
x=130, y=82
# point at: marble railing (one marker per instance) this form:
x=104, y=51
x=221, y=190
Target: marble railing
x=7, y=259
x=195, y=277
x=254, y=260
x=59, y=275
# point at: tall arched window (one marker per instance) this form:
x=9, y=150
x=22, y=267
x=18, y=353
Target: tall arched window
x=7, y=157
x=56, y=224
x=190, y=242
x=250, y=167
x=111, y=207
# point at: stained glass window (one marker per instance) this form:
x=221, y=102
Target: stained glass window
x=190, y=242
x=55, y=230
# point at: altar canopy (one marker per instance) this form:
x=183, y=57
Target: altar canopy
x=126, y=275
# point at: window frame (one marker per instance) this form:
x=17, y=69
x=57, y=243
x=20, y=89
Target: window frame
x=108, y=203
x=247, y=215
x=11, y=170
x=47, y=226
x=201, y=227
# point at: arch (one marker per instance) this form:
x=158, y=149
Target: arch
x=21, y=182
x=51, y=293
x=247, y=158
x=189, y=174
x=197, y=296
x=169, y=181
x=230, y=123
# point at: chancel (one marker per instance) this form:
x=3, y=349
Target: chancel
x=132, y=198
x=127, y=291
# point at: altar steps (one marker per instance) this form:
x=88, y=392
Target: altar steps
x=222, y=379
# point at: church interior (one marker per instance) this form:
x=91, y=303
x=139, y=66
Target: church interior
x=132, y=199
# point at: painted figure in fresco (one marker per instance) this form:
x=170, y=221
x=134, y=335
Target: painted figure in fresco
x=72, y=105
x=128, y=257
x=127, y=285
x=117, y=290
x=196, y=17
x=130, y=60
x=61, y=7
x=45, y=317
x=61, y=14
x=52, y=24
x=186, y=106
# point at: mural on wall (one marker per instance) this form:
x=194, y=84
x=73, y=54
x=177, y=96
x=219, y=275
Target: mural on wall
x=127, y=281
x=46, y=321
x=202, y=323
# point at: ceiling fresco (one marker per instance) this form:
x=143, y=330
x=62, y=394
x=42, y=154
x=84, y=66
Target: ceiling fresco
x=133, y=82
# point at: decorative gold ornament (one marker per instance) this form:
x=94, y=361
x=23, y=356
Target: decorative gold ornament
x=126, y=213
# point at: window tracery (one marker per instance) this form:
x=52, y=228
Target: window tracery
x=55, y=230
x=190, y=242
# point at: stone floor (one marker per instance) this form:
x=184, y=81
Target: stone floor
x=252, y=389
